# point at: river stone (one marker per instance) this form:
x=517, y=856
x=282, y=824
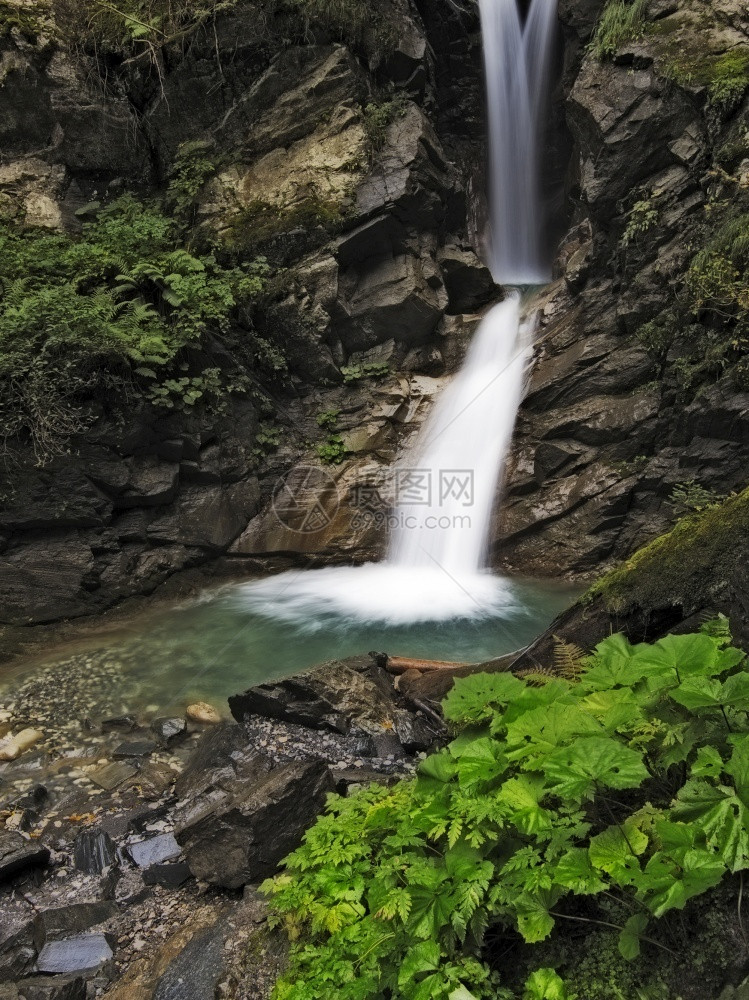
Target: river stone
x=80, y=953
x=204, y=713
x=134, y=748
x=154, y=850
x=52, y=988
x=332, y=696
x=169, y=730
x=109, y=776
x=237, y=833
x=120, y=724
x=93, y=851
x=17, y=853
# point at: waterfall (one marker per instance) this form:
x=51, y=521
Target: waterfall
x=445, y=516
x=517, y=61
x=446, y=492
x=464, y=444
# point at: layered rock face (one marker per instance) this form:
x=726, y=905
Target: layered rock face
x=610, y=423
x=330, y=160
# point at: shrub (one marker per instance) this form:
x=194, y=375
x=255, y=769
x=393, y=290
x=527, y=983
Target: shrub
x=620, y=22
x=559, y=799
x=81, y=319
x=333, y=451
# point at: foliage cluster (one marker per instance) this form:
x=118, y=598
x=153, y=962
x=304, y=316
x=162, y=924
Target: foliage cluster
x=123, y=307
x=621, y=21
x=378, y=116
x=192, y=168
x=625, y=785
x=701, y=549
x=641, y=217
x=332, y=451
x=367, y=369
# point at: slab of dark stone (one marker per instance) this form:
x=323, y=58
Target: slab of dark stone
x=121, y=724
x=134, y=748
x=93, y=851
x=17, y=948
x=66, y=921
x=17, y=854
x=196, y=971
x=170, y=876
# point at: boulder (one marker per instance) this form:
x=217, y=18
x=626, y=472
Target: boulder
x=237, y=831
x=17, y=854
x=17, y=947
x=93, y=851
x=154, y=850
x=66, y=921
x=45, y=580
x=468, y=281
x=332, y=696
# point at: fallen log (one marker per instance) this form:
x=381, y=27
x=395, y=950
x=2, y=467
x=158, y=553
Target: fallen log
x=400, y=664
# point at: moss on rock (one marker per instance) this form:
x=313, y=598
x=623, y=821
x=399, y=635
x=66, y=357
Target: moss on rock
x=682, y=566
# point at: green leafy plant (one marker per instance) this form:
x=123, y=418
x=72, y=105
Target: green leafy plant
x=328, y=419
x=641, y=217
x=371, y=369
x=333, y=451
x=621, y=21
x=629, y=784
x=690, y=495
x=191, y=169
x=378, y=116
x=84, y=320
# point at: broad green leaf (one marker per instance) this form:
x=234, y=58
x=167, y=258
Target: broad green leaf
x=439, y=766
x=610, y=666
x=575, y=871
x=421, y=958
x=738, y=766
x=684, y=655
x=708, y=764
x=479, y=761
x=616, y=851
x=676, y=838
x=475, y=698
x=576, y=771
x=615, y=709
x=430, y=911
x=735, y=692
x=629, y=938
x=544, y=984
x=534, y=920
x=721, y=816
x=461, y=994
x=550, y=693
x=522, y=796
x=668, y=885
x=698, y=692
x=547, y=728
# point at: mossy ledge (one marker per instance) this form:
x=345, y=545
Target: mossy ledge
x=682, y=566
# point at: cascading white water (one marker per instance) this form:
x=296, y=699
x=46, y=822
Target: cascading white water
x=462, y=452
x=517, y=60
x=434, y=569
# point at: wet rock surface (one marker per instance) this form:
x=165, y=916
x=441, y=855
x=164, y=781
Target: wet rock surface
x=114, y=888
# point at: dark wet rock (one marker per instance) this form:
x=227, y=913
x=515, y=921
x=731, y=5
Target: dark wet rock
x=120, y=724
x=45, y=581
x=171, y=876
x=468, y=281
x=80, y=953
x=414, y=732
x=169, y=730
x=68, y=921
x=221, y=757
x=52, y=988
x=237, y=834
x=154, y=850
x=386, y=744
x=153, y=779
x=197, y=970
x=94, y=851
x=18, y=854
x=110, y=776
x=353, y=778
x=134, y=748
x=333, y=696
x=17, y=947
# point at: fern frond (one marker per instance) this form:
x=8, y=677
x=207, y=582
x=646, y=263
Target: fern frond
x=567, y=659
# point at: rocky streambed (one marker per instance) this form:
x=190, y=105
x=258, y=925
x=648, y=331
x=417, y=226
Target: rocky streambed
x=131, y=847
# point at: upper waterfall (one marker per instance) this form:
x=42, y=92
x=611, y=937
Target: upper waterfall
x=517, y=60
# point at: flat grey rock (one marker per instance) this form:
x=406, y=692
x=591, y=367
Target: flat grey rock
x=79, y=953
x=155, y=850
